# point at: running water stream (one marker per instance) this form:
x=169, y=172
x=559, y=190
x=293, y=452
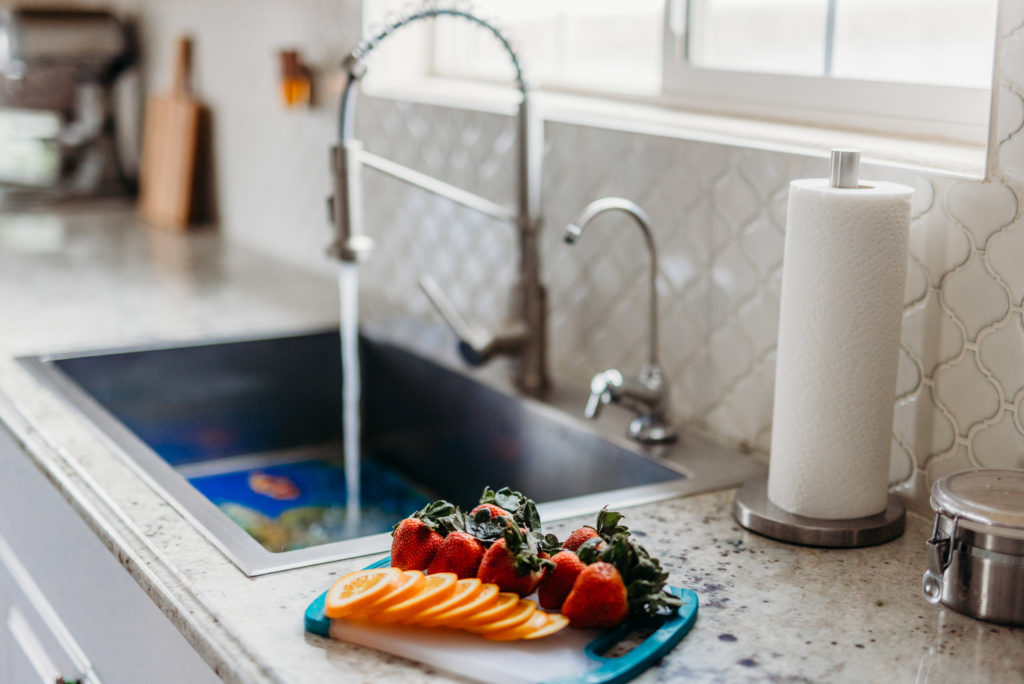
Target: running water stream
x=348, y=288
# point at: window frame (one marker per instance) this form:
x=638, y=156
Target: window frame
x=874, y=106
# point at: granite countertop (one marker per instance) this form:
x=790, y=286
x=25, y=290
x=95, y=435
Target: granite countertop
x=769, y=612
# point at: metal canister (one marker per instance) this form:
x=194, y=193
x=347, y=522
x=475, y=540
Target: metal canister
x=976, y=552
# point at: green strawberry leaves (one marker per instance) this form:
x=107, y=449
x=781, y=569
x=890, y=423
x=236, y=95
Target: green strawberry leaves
x=440, y=516
x=590, y=550
x=608, y=524
x=524, y=548
x=549, y=544
x=503, y=498
x=522, y=508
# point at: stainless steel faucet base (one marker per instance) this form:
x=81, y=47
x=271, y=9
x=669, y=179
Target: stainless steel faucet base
x=646, y=431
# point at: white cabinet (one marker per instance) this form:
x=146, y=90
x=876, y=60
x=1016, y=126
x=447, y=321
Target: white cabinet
x=67, y=607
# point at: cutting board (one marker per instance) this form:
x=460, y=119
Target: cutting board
x=169, y=143
x=569, y=656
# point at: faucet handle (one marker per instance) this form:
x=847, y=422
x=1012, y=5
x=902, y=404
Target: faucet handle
x=603, y=390
x=646, y=395
x=476, y=345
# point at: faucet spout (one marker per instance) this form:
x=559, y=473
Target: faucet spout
x=574, y=231
x=647, y=395
x=524, y=337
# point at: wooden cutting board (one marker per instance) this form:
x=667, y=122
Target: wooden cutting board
x=169, y=143
x=568, y=657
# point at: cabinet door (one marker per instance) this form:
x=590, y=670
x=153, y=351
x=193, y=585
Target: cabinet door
x=35, y=646
x=118, y=628
x=25, y=657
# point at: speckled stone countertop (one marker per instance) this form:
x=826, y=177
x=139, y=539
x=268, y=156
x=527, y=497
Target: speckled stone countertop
x=769, y=612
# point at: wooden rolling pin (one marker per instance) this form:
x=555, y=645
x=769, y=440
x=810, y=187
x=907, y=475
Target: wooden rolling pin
x=169, y=143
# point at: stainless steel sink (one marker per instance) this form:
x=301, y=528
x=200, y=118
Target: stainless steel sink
x=243, y=437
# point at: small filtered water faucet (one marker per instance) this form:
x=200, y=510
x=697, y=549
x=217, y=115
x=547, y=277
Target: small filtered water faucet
x=647, y=394
x=524, y=338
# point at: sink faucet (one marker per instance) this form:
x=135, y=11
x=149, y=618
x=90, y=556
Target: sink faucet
x=524, y=338
x=647, y=394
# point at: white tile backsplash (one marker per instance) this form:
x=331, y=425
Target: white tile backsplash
x=718, y=213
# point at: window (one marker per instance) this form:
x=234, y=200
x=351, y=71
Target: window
x=913, y=67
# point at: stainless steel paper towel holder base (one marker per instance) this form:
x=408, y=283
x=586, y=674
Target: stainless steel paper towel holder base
x=753, y=510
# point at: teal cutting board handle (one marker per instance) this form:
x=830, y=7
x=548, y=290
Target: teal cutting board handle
x=609, y=670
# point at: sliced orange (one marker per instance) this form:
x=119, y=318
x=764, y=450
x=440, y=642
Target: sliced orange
x=537, y=620
x=358, y=589
x=451, y=618
x=465, y=591
x=504, y=604
x=521, y=614
x=437, y=587
x=556, y=622
x=408, y=585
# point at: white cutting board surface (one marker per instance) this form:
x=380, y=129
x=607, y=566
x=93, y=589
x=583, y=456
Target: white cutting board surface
x=470, y=655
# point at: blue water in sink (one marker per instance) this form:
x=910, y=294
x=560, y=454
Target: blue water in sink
x=294, y=505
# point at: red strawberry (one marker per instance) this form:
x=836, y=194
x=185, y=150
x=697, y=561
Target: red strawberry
x=578, y=537
x=460, y=553
x=496, y=511
x=558, y=581
x=499, y=567
x=597, y=599
x=413, y=545
x=416, y=539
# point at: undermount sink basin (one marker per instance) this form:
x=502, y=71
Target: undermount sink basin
x=244, y=437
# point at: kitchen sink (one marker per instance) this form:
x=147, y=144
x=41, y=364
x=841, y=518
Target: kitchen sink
x=244, y=436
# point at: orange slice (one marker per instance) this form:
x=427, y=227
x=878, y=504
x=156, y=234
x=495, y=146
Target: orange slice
x=436, y=587
x=537, y=620
x=450, y=618
x=358, y=589
x=556, y=622
x=465, y=591
x=521, y=614
x=504, y=604
x=408, y=585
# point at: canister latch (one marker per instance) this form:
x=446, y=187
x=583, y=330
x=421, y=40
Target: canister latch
x=940, y=554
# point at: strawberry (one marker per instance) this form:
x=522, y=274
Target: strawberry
x=460, y=553
x=598, y=598
x=512, y=562
x=607, y=527
x=641, y=574
x=580, y=535
x=417, y=538
x=558, y=580
x=496, y=511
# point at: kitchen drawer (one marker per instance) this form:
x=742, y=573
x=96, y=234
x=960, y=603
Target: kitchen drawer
x=35, y=646
x=120, y=631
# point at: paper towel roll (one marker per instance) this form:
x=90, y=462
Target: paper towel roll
x=839, y=333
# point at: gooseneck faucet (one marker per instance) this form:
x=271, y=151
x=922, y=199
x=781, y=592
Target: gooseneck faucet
x=647, y=394
x=524, y=337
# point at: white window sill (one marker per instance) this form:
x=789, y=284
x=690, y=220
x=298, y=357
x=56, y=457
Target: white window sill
x=947, y=158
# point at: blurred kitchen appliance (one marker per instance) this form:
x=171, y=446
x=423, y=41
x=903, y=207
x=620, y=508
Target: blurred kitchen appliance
x=62, y=100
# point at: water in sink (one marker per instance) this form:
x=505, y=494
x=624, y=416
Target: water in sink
x=295, y=505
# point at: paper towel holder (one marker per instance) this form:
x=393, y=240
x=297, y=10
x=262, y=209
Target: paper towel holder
x=754, y=511
x=751, y=505
x=845, y=168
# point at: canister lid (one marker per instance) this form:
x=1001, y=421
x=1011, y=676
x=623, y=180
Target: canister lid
x=983, y=499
